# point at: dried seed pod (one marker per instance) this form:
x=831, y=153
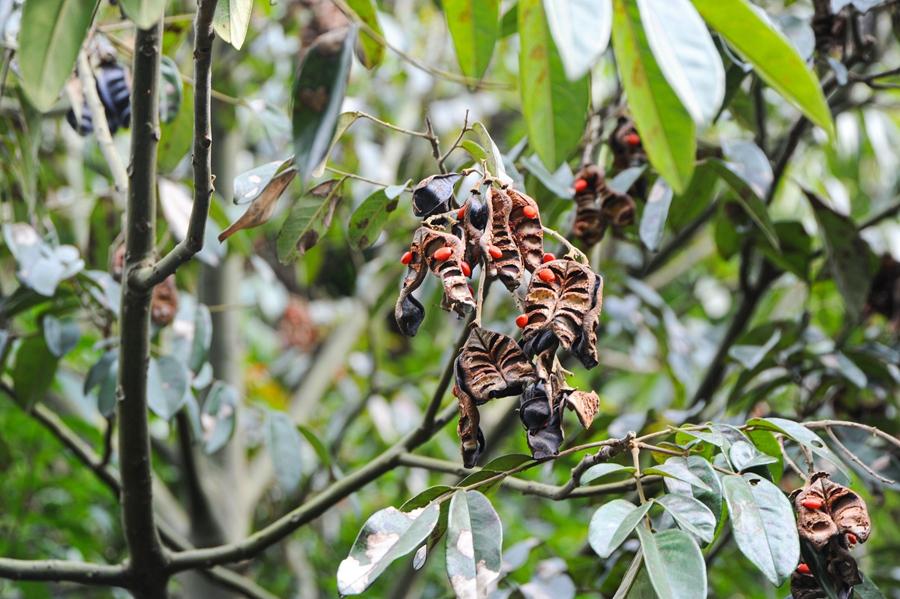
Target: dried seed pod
x=497, y=242
x=408, y=311
x=804, y=586
x=617, y=208
x=474, y=220
x=164, y=302
x=564, y=311
x=590, y=223
x=840, y=564
x=527, y=229
x=626, y=153
x=847, y=509
x=542, y=421
x=432, y=195
x=584, y=403
x=433, y=246
x=491, y=365
x=471, y=438
x=814, y=525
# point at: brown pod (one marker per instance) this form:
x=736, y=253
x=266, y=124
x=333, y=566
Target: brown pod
x=617, y=208
x=491, y=365
x=497, y=243
x=840, y=564
x=585, y=404
x=408, y=311
x=164, y=302
x=590, y=223
x=444, y=254
x=471, y=439
x=814, y=523
x=804, y=586
x=626, y=145
x=527, y=229
x=848, y=510
x=564, y=309
x=541, y=416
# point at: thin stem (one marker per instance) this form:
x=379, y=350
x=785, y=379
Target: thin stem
x=817, y=424
x=572, y=251
x=361, y=178
x=63, y=571
x=636, y=459
x=435, y=145
x=456, y=142
x=855, y=459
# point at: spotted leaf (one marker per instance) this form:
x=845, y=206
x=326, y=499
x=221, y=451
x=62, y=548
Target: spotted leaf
x=474, y=544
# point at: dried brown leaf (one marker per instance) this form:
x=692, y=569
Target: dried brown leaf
x=260, y=210
x=585, y=404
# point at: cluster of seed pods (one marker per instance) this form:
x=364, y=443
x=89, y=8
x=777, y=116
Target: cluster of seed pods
x=499, y=228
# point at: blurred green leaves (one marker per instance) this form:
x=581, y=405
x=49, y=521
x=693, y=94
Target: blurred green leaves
x=474, y=26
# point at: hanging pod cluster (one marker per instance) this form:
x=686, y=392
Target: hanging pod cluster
x=500, y=229
x=831, y=520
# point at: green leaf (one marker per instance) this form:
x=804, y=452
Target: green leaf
x=167, y=383
x=318, y=93
x=771, y=54
x=249, y=185
x=750, y=356
x=61, y=335
x=475, y=151
x=285, y=449
x=763, y=523
x=50, y=37
x=686, y=55
x=219, y=416
x=176, y=137
x=581, y=30
x=604, y=469
x=495, y=158
x=507, y=462
x=372, y=50
x=746, y=196
x=368, y=219
x=231, y=21
x=849, y=256
x=33, y=357
x=612, y=523
x=474, y=26
x=676, y=468
x=666, y=128
x=704, y=471
x=171, y=90
x=653, y=220
x=691, y=515
x=425, y=497
x=800, y=434
x=144, y=13
x=316, y=444
x=674, y=564
x=554, y=107
x=474, y=544
x=309, y=218
x=766, y=442
x=386, y=535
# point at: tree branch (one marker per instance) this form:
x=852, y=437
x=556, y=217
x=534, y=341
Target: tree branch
x=63, y=571
x=192, y=243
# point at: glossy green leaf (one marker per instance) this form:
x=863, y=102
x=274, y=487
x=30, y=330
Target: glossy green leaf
x=704, y=471
x=666, y=128
x=800, y=434
x=367, y=221
x=676, y=468
x=144, y=13
x=690, y=514
x=674, y=564
x=763, y=523
x=318, y=93
x=771, y=54
x=495, y=157
x=231, y=21
x=309, y=218
x=51, y=34
x=686, y=55
x=474, y=544
x=167, y=383
x=554, y=107
x=612, y=523
x=372, y=49
x=849, y=256
x=581, y=31
x=603, y=469
x=386, y=535
x=474, y=27
x=653, y=219
x=32, y=357
x=285, y=448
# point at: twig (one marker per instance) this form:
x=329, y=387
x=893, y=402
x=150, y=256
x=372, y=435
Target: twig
x=817, y=424
x=435, y=145
x=108, y=441
x=63, y=571
x=456, y=142
x=855, y=459
x=572, y=251
x=361, y=178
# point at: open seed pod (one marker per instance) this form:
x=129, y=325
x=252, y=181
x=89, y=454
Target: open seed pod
x=626, y=145
x=408, y=311
x=471, y=438
x=847, y=509
x=497, y=242
x=814, y=523
x=474, y=223
x=564, y=309
x=617, y=208
x=805, y=586
x=432, y=195
x=590, y=223
x=491, y=365
x=526, y=227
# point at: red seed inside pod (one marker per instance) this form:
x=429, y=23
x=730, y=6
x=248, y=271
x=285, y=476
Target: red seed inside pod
x=803, y=569
x=465, y=268
x=522, y=321
x=851, y=538
x=406, y=258
x=548, y=257
x=442, y=254
x=530, y=211
x=494, y=251
x=580, y=185
x=461, y=213
x=812, y=503
x=632, y=139
x=546, y=275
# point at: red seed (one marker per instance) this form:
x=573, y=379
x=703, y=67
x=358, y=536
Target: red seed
x=406, y=258
x=546, y=275
x=803, y=569
x=522, y=321
x=461, y=213
x=580, y=185
x=442, y=254
x=632, y=139
x=812, y=503
x=548, y=257
x=851, y=538
x=530, y=211
x=465, y=268
x=494, y=251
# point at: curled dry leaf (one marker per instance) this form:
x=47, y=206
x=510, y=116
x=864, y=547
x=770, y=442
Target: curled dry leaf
x=564, y=310
x=164, y=302
x=584, y=403
x=527, y=229
x=471, y=439
x=491, y=365
x=432, y=195
x=260, y=210
x=497, y=243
